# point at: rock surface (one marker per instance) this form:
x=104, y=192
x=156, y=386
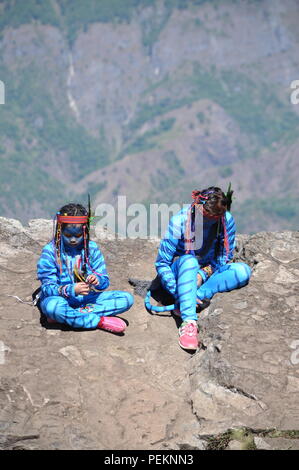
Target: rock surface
x=66, y=389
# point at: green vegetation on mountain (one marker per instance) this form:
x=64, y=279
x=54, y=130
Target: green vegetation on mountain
x=165, y=179
x=80, y=14
x=285, y=210
x=255, y=106
x=35, y=132
x=146, y=141
x=77, y=15
x=46, y=150
x=14, y=13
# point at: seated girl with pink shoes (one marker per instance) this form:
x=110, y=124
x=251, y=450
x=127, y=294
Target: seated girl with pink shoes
x=74, y=278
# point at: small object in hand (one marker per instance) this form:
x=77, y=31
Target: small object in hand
x=208, y=270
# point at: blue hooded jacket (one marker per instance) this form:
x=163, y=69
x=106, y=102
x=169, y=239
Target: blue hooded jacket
x=48, y=271
x=173, y=244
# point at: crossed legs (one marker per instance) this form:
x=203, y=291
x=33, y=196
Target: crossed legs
x=87, y=313
x=226, y=278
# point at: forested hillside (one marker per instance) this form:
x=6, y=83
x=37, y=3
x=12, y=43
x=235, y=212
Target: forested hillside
x=150, y=99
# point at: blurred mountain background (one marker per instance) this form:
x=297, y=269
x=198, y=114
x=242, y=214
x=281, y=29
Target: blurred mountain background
x=150, y=99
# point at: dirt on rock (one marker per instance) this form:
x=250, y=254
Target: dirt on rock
x=68, y=389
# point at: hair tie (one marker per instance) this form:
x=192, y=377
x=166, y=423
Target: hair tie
x=198, y=197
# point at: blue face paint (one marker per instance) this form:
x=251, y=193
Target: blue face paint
x=72, y=235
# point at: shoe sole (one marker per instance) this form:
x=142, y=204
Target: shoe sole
x=189, y=349
x=112, y=331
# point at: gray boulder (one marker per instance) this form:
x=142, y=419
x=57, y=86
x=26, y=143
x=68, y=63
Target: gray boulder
x=65, y=389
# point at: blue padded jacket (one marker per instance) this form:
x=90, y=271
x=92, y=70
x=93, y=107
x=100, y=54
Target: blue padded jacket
x=48, y=271
x=173, y=244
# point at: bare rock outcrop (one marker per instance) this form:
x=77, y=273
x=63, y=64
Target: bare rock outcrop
x=249, y=374
x=67, y=389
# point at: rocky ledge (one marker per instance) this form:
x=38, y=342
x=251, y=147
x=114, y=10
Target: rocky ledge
x=67, y=389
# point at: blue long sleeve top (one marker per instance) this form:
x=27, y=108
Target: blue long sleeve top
x=48, y=271
x=173, y=244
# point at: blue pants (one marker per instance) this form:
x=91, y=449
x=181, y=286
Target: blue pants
x=226, y=278
x=86, y=311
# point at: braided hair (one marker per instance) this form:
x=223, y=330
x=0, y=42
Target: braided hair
x=215, y=203
x=213, y=198
x=72, y=209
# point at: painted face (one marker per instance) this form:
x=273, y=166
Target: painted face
x=72, y=235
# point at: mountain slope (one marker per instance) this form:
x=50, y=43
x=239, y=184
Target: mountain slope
x=147, y=101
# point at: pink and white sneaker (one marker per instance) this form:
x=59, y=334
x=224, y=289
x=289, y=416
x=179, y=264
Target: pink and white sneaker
x=112, y=324
x=188, y=335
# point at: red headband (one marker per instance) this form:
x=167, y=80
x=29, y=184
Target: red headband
x=72, y=219
x=197, y=196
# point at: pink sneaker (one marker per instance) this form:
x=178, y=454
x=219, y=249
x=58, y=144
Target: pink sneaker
x=112, y=324
x=188, y=335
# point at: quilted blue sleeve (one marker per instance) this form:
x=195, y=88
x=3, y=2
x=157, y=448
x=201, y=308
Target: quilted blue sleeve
x=231, y=232
x=166, y=253
x=98, y=265
x=47, y=274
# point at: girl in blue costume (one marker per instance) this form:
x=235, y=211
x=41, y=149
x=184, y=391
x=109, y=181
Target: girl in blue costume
x=198, y=273
x=73, y=277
